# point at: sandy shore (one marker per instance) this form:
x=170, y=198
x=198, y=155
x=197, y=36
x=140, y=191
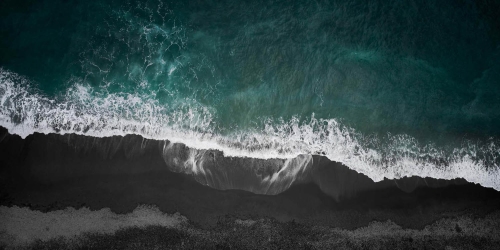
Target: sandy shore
x=48, y=173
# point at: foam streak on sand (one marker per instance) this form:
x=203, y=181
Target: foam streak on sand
x=74, y=229
x=81, y=111
x=22, y=226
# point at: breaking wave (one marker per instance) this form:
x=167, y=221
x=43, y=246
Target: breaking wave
x=80, y=110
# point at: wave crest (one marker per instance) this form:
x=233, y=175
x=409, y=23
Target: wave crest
x=81, y=111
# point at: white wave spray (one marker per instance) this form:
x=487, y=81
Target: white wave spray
x=81, y=111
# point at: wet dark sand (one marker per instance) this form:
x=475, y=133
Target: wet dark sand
x=44, y=173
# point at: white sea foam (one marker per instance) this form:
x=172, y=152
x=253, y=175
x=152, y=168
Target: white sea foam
x=81, y=111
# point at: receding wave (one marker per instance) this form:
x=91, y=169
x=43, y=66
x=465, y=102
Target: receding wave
x=82, y=111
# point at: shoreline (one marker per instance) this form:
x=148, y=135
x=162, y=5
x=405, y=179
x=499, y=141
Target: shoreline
x=49, y=173
x=50, y=157
x=125, y=165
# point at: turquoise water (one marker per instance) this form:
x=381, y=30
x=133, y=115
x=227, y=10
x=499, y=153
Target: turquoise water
x=389, y=88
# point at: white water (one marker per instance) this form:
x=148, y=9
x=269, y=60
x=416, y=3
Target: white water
x=81, y=111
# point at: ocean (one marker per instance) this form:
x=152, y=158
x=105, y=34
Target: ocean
x=390, y=89
x=258, y=95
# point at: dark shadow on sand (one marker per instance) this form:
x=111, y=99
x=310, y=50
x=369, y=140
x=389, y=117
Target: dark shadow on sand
x=46, y=173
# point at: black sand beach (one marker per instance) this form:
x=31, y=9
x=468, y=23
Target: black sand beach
x=344, y=124
x=48, y=173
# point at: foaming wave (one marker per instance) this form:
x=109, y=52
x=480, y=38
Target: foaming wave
x=82, y=111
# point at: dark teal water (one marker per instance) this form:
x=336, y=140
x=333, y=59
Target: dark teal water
x=389, y=88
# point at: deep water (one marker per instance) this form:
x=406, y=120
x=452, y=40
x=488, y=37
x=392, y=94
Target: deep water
x=390, y=89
